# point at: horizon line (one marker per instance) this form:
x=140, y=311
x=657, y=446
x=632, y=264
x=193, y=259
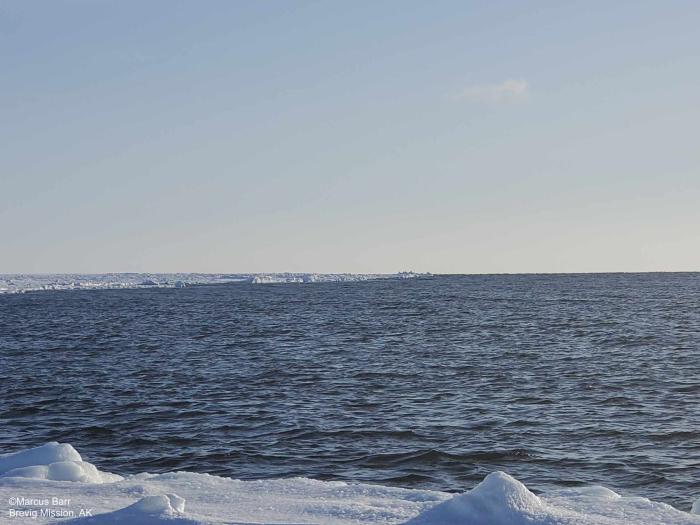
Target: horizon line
x=426, y=273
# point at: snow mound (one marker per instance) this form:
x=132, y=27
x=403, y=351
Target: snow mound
x=79, y=471
x=502, y=500
x=166, y=509
x=162, y=504
x=44, y=455
x=55, y=462
x=499, y=499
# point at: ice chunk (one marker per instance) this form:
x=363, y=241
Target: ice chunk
x=161, y=504
x=44, y=455
x=79, y=471
x=696, y=508
x=593, y=491
x=52, y=461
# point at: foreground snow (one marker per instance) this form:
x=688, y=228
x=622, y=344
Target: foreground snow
x=34, y=490
x=18, y=283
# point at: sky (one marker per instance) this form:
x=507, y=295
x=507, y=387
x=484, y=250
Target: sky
x=329, y=136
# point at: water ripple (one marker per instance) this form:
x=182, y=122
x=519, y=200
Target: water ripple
x=561, y=380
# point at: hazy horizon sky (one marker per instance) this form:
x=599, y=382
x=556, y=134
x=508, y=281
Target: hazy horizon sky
x=449, y=136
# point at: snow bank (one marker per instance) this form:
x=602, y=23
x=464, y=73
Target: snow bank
x=65, y=488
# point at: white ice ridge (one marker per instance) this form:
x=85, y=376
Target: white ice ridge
x=30, y=496
x=18, y=283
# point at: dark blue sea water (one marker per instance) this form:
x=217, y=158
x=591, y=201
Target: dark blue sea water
x=432, y=383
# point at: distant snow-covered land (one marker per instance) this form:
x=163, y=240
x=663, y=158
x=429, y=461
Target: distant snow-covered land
x=18, y=283
x=52, y=484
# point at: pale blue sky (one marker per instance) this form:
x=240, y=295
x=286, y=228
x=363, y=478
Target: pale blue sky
x=444, y=136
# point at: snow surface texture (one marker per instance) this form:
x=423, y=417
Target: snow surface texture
x=18, y=283
x=183, y=498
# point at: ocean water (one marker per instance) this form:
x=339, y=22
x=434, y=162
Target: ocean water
x=560, y=380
